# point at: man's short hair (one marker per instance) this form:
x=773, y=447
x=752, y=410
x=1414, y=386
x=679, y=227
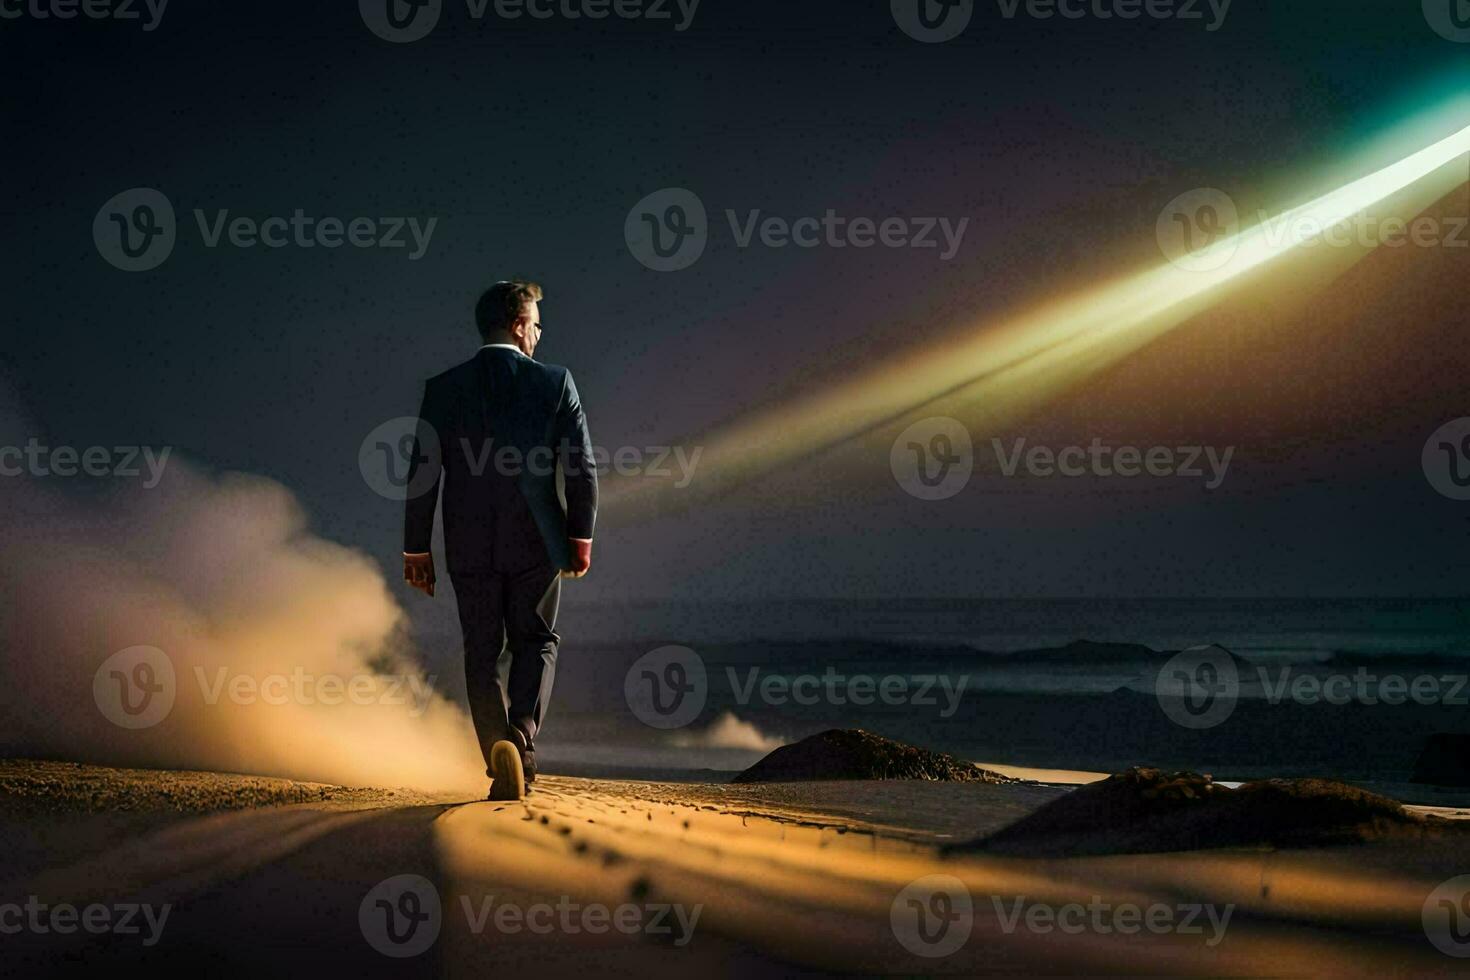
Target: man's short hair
x=501, y=305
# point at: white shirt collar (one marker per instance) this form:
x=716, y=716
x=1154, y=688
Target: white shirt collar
x=506, y=346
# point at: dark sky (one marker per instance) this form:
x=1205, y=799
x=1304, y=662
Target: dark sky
x=529, y=141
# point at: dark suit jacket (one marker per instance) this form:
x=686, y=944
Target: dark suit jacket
x=504, y=424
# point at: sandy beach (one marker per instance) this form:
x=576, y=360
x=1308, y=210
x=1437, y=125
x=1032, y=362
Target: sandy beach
x=637, y=878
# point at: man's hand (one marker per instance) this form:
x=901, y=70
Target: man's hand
x=418, y=571
x=581, y=558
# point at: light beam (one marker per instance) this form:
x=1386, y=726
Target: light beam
x=1021, y=363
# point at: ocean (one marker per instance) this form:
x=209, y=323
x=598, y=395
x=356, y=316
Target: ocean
x=1039, y=682
x=1274, y=628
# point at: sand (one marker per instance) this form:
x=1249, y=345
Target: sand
x=729, y=881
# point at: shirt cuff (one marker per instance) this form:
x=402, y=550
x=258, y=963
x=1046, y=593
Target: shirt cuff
x=582, y=540
x=417, y=554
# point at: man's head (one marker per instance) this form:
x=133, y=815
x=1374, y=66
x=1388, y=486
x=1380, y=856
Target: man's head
x=509, y=313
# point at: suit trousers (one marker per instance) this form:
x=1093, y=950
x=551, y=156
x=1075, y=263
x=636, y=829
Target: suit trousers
x=511, y=613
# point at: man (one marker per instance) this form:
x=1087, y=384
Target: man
x=502, y=423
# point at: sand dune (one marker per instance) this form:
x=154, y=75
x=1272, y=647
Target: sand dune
x=732, y=880
x=1148, y=810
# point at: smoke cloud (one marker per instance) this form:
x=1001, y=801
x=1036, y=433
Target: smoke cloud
x=282, y=654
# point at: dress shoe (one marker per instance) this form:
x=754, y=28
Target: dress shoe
x=528, y=756
x=507, y=778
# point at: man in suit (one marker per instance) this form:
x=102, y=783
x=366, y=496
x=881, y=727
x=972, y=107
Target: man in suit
x=494, y=431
